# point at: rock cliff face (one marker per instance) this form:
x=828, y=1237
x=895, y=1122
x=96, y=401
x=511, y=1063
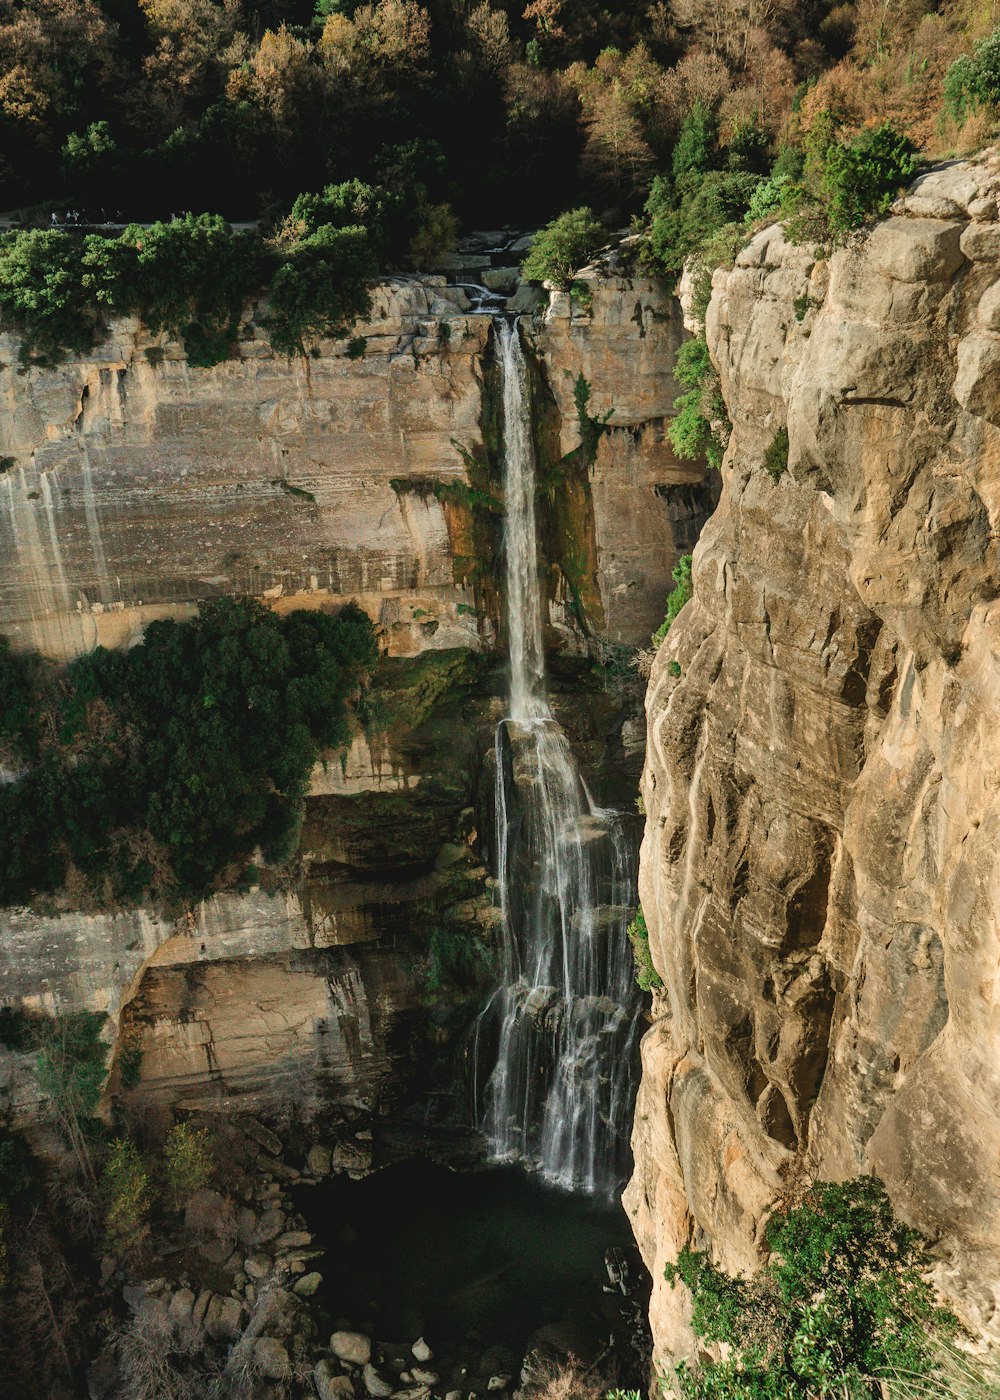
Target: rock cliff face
x=132, y=485
x=820, y=868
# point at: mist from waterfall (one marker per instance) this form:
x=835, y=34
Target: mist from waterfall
x=560, y=1032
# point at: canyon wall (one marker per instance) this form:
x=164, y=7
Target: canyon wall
x=133, y=485
x=820, y=869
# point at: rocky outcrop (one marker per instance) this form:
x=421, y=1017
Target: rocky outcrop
x=820, y=865
x=648, y=505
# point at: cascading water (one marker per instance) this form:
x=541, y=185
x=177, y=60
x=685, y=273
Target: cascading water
x=561, y=1030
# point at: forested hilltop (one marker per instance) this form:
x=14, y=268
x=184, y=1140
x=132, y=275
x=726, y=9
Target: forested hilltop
x=503, y=111
x=357, y=138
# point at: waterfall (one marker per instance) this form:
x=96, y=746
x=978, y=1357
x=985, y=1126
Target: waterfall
x=561, y=1030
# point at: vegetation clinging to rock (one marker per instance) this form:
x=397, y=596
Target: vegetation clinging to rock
x=842, y=1304
x=562, y=246
x=679, y=595
x=163, y=767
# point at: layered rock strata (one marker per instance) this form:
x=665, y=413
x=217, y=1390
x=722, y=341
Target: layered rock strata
x=133, y=485
x=820, y=865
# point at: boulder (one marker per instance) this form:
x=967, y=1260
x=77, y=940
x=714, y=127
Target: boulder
x=421, y=1350
x=374, y=1383
x=293, y=1239
x=262, y=1136
x=319, y=1160
x=223, y=1318
x=307, y=1285
x=354, y=1347
x=271, y=1359
x=331, y=1384
x=915, y=250
x=272, y=1222
x=201, y=1307
x=182, y=1307
x=257, y=1265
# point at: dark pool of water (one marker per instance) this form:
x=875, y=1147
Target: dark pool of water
x=480, y=1260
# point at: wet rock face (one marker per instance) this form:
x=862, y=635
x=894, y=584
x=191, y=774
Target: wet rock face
x=819, y=870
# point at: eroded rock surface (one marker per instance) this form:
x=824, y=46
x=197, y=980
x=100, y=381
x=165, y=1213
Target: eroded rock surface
x=820, y=869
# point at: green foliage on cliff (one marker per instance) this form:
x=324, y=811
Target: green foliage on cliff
x=562, y=246
x=701, y=425
x=646, y=974
x=776, y=457
x=163, y=767
x=973, y=80
x=190, y=276
x=678, y=596
x=320, y=287
x=841, y=1304
x=41, y=293
x=127, y=1199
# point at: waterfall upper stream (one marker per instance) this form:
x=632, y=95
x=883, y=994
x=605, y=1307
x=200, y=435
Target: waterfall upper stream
x=563, y=1025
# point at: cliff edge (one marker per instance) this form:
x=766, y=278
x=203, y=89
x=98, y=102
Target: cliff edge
x=821, y=863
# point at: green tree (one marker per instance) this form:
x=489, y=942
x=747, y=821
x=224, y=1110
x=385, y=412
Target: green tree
x=678, y=596
x=321, y=288
x=42, y=296
x=187, y=1163
x=125, y=1191
x=191, y=277
x=560, y=248
x=699, y=406
x=974, y=80
x=695, y=152
x=864, y=176
x=71, y=1073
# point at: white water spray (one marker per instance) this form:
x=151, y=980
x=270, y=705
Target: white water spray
x=562, y=1028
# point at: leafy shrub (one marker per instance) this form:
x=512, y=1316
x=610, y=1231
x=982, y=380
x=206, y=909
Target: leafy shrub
x=192, y=277
x=864, y=176
x=974, y=80
x=562, y=246
x=187, y=1163
x=695, y=150
x=41, y=293
x=435, y=236
x=691, y=430
x=127, y=1199
x=776, y=456
x=767, y=198
x=681, y=228
x=645, y=973
x=679, y=595
x=170, y=762
x=842, y=1302
x=321, y=287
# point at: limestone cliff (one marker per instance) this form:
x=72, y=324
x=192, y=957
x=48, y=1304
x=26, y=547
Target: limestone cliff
x=820, y=868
